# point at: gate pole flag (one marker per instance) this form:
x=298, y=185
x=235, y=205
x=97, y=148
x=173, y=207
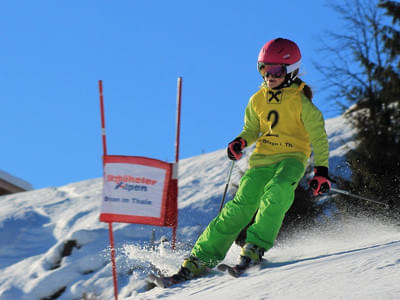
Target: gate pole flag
x=138, y=189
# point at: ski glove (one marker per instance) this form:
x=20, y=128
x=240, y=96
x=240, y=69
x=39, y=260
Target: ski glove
x=235, y=148
x=320, y=183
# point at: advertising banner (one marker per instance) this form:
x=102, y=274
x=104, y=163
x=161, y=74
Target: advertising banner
x=135, y=190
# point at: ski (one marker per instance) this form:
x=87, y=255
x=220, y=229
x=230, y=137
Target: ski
x=169, y=281
x=237, y=270
x=163, y=282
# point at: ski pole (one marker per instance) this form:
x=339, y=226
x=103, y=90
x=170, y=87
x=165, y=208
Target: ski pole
x=357, y=196
x=226, y=186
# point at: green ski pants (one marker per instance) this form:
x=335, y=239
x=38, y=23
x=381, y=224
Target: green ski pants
x=270, y=190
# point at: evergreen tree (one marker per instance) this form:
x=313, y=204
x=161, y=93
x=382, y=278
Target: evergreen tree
x=373, y=90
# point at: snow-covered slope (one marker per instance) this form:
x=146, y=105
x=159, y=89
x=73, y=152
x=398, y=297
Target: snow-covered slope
x=52, y=245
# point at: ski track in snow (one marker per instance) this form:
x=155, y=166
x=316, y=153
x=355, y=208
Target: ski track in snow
x=52, y=242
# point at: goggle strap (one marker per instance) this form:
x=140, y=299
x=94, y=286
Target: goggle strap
x=292, y=67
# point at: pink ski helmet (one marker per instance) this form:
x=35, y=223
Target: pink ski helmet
x=283, y=52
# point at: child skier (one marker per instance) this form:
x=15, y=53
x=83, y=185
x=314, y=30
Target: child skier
x=281, y=119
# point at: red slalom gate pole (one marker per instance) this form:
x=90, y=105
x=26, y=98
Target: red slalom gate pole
x=114, y=267
x=110, y=230
x=177, y=144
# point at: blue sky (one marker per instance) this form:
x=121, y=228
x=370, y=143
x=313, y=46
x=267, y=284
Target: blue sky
x=53, y=53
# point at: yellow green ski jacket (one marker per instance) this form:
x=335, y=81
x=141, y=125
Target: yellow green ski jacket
x=283, y=123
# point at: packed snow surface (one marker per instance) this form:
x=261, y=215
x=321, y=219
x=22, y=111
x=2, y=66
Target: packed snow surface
x=54, y=247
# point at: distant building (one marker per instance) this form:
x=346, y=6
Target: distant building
x=10, y=184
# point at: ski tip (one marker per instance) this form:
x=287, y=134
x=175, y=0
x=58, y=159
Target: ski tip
x=157, y=281
x=160, y=281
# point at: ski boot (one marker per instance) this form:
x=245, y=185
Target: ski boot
x=250, y=255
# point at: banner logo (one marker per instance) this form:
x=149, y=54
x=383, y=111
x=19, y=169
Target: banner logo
x=130, y=183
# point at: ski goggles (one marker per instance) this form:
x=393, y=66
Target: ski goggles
x=275, y=71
